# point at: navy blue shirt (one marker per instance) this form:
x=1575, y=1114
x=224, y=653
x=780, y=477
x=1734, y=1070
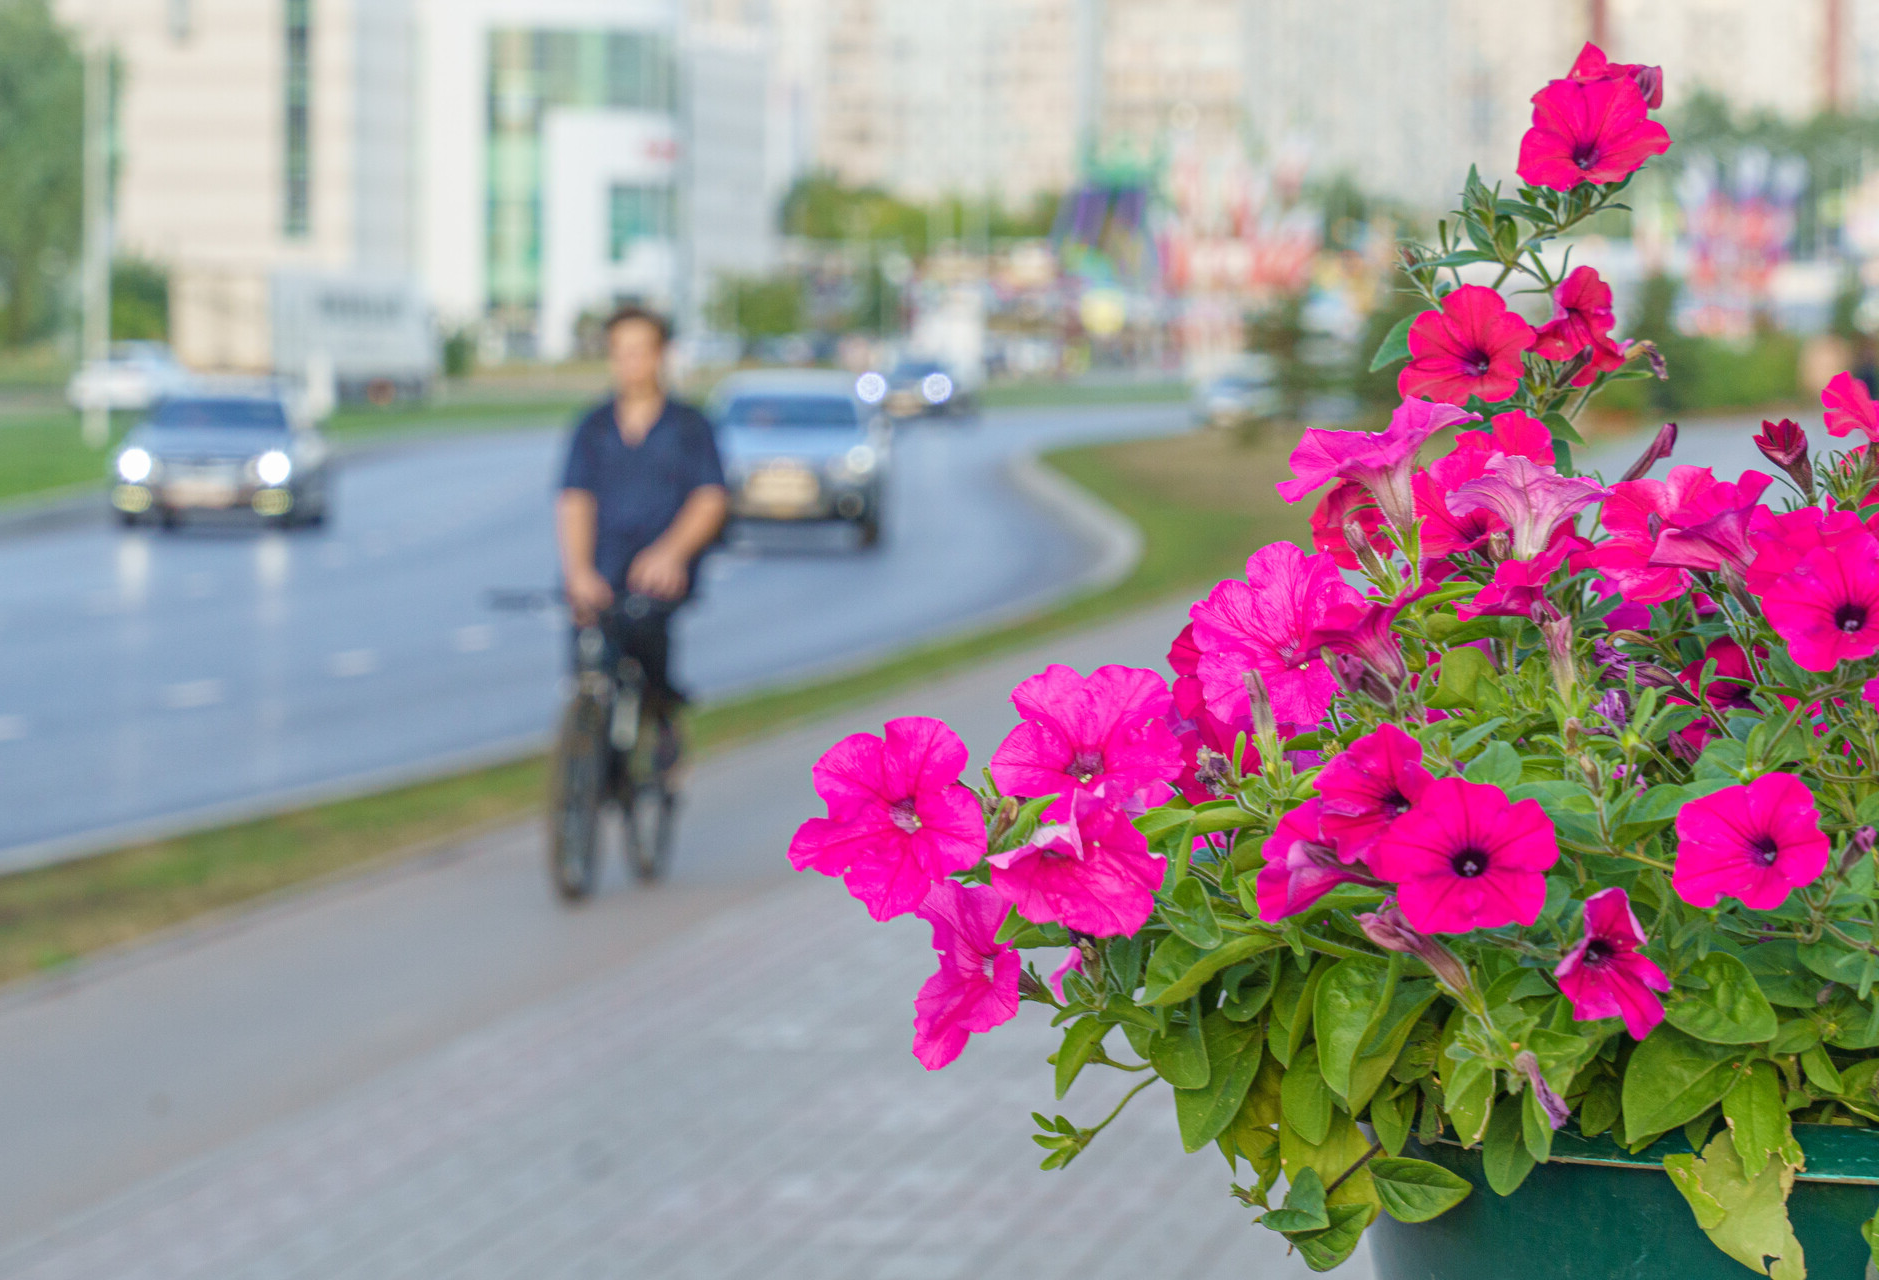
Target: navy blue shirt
x=639, y=489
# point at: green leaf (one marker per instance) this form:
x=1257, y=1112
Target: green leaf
x=1080, y=1039
x=1390, y=1117
x=1673, y=1078
x=1234, y=1050
x=1180, y=1056
x=1304, y=1098
x=1389, y=1032
x=1747, y=1218
x=1304, y=1206
x=1342, y=1152
x=1291, y=1010
x=1599, y=1108
x=1469, y=1099
x=1395, y=345
x=1869, y=1232
x=1834, y=960
x=1185, y=910
x=1498, y=764
x=1467, y=741
x=1504, y=1155
x=1329, y=1249
x=1461, y=671
x=1342, y=1011
x=1758, y=1122
x=1536, y=1127
x=1416, y=1190
x=1723, y=760
x=1780, y=975
x=1178, y=969
x=1820, y=1070
x=1657, y=807
x=1797, y=1035
x=1723, y=1004
x=1561, y=428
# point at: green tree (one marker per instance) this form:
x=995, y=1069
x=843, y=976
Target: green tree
x=41, y=165
x=140, y=300
x=758, y=307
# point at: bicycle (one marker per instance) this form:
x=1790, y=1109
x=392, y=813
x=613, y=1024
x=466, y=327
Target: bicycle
x=615, y=747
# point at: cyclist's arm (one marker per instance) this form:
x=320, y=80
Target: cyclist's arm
x=577, y=525
x=663, y=569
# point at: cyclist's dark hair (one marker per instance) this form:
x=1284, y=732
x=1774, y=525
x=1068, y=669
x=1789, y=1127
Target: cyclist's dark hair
x=632, y=312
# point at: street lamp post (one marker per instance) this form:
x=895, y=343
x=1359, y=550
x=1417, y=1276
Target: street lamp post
x=95, y=268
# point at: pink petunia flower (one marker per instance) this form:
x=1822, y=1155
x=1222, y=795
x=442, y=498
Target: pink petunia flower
x=1347, y=502
x=1637, y=514
x=1364, y=631
x=976, y=987
x=1519, y=585
x=1870, y=692
x=1827, y=606
x=1730, y=682
x=1302, y=864
x=1849, y=407
x=1532, y=499
x=898, y=816
x=1627, y=616
x=1591, y=64
x=1778, y=540
x=1713, y=531
x=1471, y=347
x=1588, y=131
x=1261, y=625
x=1379, y=460
x=1582, y=321
x=1195, y=727
x=1108, y=730
x=1755, y=842
x=1369, y=785
x=1445, y=533
x=1464, y=858
x=1091, y=871
x=1604, y=975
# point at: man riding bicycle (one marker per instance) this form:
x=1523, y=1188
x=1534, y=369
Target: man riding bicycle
x=642, y=498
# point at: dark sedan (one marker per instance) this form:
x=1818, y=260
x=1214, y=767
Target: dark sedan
x=221, y=452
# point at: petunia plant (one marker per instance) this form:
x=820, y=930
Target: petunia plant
x=1526, y=801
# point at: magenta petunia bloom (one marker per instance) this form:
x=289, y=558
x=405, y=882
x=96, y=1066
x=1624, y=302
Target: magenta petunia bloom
x=1195, y=727
x=1520, y=585
x=1261, y=625
x=899, y=818
x=1755, y=843
x=1364, y=631
x=1637, y=514
x=1870, y=692
x=1464, y=858
x=1347, y=502
x=1849, y=407
x=1302, y=864
x=1369, y=785
x=1379, y=460
x=1588, y=131
x=1592, y=64
x=1778, y=540
x=1827, y=606
x=1091, y=871
x=976, y=987
x=1108, y=730
x=1471, y=347
x=1444, y=533
x=1604, y=975
x=1532, y=499
x=1712, y=531
x=1582, y=321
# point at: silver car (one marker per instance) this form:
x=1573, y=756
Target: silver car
x=801, y=445
x=1246, y=391
x=221, y=451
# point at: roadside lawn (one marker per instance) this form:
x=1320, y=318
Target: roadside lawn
x=1202, y=501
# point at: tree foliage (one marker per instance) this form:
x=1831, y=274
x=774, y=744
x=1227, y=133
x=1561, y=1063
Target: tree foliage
x=41, y=165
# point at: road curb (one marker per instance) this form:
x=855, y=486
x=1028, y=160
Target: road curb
x=1118, y=541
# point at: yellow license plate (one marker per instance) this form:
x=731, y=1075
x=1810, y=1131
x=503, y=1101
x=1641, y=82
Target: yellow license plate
x=199, y=493
x=783, y=490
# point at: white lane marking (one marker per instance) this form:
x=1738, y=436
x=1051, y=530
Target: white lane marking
x=353, y=662
x=12, y=728
x=475, y=639
x=191, y=694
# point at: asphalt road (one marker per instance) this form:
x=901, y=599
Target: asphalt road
x=153, y=678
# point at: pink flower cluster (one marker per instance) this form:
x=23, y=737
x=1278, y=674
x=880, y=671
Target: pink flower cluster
x=900, y=825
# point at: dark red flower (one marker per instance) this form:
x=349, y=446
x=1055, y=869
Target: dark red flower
x=1588, y=131
x=1582, y=321
x=1471, y=347
x=1348, y=501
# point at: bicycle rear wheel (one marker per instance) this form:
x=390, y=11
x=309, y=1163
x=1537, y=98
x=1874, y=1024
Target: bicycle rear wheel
x=577, y=789
x=650, y=823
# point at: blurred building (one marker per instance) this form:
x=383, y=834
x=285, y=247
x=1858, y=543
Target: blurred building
x=308, y=169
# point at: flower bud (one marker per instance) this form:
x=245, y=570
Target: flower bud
x=1614, y=708
x=1388, y=928
x=1500, y=546
x=1359, y=542
x=1865, y=838
x=1004, y=819
x=1650, y=82
x=1785, y=444
x=1654, y=453
x=1557, y=1112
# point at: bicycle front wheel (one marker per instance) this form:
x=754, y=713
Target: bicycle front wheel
x=576, y=791
x=650, y=822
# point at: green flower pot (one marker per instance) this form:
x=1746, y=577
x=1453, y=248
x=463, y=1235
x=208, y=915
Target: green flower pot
x=1597, y=1212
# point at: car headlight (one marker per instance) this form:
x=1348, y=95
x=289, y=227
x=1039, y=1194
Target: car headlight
x=937, y=388
x=859, y=461
x=134, y=466
x=273, y=467
x=871, y=388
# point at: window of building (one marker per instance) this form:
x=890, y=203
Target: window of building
x=179, y=20
x=638, y=213
x=297, y=205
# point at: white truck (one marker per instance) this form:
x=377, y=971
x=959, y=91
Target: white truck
x=348, y=337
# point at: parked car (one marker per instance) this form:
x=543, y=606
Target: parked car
x=221, y=451
x=926, y=389
x=1247, y=391
x=801, y=445
x=132, y=378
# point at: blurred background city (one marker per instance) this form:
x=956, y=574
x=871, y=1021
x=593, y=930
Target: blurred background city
x=290, y=993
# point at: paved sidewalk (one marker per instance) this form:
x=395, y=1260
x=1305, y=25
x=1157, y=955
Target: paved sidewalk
x=742, y=1103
